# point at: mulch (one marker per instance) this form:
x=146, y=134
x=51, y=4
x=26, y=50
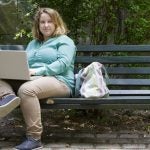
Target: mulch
x=99, y=121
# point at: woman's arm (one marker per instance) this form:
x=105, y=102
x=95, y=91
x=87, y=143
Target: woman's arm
x=65, y=57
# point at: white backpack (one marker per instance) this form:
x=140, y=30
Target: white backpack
x=90, y=82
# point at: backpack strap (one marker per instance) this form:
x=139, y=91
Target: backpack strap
x=106, y=77
x=78, y=83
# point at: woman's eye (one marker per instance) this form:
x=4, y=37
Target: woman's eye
x=41, y=22
x=50, y=21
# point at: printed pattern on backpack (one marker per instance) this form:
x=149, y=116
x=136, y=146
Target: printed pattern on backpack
x=91, y=83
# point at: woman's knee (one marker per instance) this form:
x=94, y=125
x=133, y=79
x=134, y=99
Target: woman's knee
x=26, y=89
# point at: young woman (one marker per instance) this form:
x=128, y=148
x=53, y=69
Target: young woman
x=51, y=56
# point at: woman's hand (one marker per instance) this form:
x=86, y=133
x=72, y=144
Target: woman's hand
x=32, y=72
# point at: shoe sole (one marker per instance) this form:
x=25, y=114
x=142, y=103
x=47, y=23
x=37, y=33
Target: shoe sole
x=37, y=148
x=7, y=108
x=32, y=149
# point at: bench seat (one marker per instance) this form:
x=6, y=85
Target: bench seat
x=131, y=102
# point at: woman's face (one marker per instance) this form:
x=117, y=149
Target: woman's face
x=46, y=26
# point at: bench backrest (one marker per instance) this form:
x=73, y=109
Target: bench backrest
x=128, y=66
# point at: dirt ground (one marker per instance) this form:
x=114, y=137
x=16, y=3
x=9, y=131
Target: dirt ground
x=99, y=121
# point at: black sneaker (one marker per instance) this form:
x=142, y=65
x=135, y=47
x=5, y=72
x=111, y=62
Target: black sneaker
x=30, y=144
x=8, y=103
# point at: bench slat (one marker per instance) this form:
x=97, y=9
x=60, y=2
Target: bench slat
x=12, y=47
x=128, y=82
x=125, y=70
x=103, y=48
x=97, y=106
x=109, y=100
x=128, y=70
x=130, y=92
x=114, y=59
x=114, y=48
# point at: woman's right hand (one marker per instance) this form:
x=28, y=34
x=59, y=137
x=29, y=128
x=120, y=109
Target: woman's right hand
x=32, y=72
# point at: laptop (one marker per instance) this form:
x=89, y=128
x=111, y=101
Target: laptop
x=14, y=65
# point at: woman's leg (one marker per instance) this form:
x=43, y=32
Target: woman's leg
x=5, y=88
x=8, y=100
x=30, y=93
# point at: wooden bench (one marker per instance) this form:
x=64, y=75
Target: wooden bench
x=128, y=67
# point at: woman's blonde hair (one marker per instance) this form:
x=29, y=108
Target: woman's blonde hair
x=60, y=26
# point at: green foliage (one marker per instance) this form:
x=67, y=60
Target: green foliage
x=97, y=21
x=138, y=22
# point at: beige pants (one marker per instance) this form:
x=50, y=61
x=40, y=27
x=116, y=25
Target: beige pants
x=5, y=88
x=30, y=92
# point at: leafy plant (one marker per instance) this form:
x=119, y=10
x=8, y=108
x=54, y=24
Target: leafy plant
x=96, y=21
